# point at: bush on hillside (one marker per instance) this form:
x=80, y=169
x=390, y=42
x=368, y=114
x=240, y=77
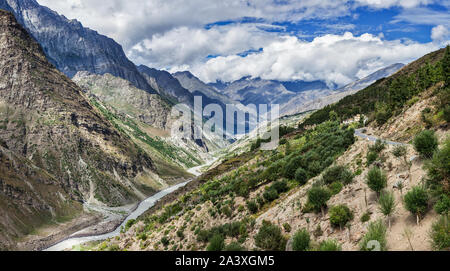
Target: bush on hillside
x=376, y=180
x=269, y=237
x=330, y=245
x=216, y=243
x=337, y=174
x=416, y=201
x=425, y=143
x=440, y=233
x=340, y=215
x=375, y=238
x=301, y=240
x=318, y=197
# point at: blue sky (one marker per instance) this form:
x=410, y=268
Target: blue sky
x=337, y=41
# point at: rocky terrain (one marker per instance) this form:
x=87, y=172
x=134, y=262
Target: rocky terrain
x=294, y=199
x=49, y=124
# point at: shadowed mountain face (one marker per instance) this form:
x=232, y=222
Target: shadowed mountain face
x=72, y=47
x=166, y=85
x=58, y=147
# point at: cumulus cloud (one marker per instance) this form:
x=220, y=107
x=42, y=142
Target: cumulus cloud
x=336, y=59
x=171, y=34
x=440, y=34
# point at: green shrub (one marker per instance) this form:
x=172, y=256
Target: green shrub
x=234, y=246
x=442, y=206
x=340, y=215
x=301, y=240
x=337, y=174
x=440, y=233
x=425, y=143
x=438, y=170
x=252, y=206
x=291, y=167
x=227, y=211
x=387, y=204
x=335, y=187
x=399, y=151
x=371, y=157
x=129, y=223
x=280, y=186
x=269, y=237
x=287, y=227
x=165, y=241
x=318, y=197
x=378, y=147
x=270, y=194
x=180, y=234
x=365, y=217
x=216, y=243
x=330, y=245
x=416, y=201
x=301, y=176
x=376, y=179
x=375, y=238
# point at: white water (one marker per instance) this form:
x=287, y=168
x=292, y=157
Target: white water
x=143, y=206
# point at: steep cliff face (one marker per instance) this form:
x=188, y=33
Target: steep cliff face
x=46, y=118
x=70, y=46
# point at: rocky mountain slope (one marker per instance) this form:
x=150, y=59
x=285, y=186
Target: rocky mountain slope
x=348, y=194
x=146, y=118
x=49, y=125
x=72, y=47
x=196, y=86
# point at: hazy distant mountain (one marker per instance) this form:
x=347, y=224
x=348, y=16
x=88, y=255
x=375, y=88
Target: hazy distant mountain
x=70, y=46
x=312, y=100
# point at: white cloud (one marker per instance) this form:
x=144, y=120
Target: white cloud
x=390, y=3
x=192, y=45
x=334, y=58
x=170, y=34
x=440, y=34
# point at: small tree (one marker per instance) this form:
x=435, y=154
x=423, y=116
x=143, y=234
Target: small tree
x=318, y=197
x=330, y=245
x=301, y=176
x=376, y=180
x=301, y=240
x=400, y=151
x=440, y=233
x=337, y=174
x=375, y=238
x=416, y=201
x=270, y=238
x=216, y=243
x=387, y=205
x=425, y=143
x=340, y=215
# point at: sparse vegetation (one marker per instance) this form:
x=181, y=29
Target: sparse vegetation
x=330, y=245
x=440, y=233
x=375, y=238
